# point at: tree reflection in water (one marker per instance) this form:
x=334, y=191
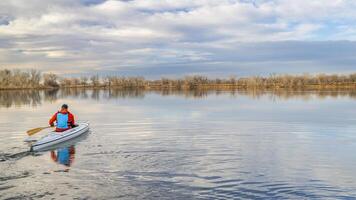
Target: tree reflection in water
x=33, y=98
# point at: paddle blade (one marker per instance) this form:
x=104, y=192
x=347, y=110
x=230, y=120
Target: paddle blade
x=35, y=130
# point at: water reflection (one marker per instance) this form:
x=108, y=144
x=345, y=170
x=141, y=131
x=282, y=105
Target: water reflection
x=9, y=98
x=223, y=146
x=20, y=97
x=64, y=156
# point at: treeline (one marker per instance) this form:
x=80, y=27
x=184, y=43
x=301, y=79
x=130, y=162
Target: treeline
x=12, y=79
x=34, y=79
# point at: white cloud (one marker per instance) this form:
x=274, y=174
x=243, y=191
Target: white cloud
x=122, y=34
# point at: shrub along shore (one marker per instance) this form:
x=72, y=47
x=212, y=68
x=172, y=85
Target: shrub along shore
x=34, y=79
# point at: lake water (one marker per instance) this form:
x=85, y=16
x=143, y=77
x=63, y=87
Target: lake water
x=183, y=145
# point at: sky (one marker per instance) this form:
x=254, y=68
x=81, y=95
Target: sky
x=174, y=38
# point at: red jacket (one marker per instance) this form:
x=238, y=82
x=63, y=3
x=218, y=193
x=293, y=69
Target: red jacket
x=70, y=120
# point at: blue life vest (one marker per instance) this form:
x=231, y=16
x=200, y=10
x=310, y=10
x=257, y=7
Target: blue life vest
x=62, y=120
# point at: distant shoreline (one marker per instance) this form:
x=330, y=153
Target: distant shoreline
x=350, y=86
x=33, y=79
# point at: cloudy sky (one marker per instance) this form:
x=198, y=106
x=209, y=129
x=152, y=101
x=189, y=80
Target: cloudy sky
x=173, y=38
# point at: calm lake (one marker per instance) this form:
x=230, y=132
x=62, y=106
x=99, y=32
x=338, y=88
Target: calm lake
x=183, y=145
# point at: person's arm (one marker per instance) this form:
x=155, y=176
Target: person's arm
x=71, y=119
x=53, y=119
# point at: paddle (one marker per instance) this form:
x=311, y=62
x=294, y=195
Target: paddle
x=36, y=130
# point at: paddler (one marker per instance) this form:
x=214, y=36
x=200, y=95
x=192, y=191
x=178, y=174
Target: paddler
x=65, y=119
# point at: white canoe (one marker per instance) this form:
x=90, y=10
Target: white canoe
x=54, y=138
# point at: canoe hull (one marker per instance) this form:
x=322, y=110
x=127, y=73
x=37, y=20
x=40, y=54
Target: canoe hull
x=54, y=138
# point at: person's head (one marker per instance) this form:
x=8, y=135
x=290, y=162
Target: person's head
x=64, y=107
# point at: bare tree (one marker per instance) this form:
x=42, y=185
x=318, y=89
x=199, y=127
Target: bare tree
x=84, y=80
x=35, y=77
x=50, y=80
x=95, y=80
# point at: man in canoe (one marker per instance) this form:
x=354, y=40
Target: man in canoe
x=65, y=119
